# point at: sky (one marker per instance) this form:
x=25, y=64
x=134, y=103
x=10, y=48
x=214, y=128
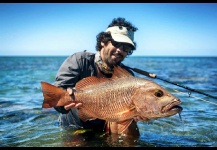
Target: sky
x=61, y=29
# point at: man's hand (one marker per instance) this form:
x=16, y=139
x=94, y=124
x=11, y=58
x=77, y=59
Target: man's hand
x=139, y=118
x=74, y=104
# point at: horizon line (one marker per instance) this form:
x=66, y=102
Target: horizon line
x=126, y=57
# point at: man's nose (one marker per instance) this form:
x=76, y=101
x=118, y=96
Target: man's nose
x=121, y=49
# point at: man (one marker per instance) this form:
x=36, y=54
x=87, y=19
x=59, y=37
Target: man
x=113, y=46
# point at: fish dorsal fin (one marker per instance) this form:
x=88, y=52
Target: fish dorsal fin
x=90, y=81
x=120, y=73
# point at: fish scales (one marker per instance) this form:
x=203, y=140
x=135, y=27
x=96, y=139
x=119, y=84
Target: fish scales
x=115, y=99
x=107, y=103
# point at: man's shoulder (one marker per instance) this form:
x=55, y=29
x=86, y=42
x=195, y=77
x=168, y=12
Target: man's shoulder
x=84, y=54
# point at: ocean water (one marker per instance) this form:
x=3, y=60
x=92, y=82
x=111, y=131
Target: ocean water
x=23, y=123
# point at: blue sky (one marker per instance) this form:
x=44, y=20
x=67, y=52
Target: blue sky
x=164, y=29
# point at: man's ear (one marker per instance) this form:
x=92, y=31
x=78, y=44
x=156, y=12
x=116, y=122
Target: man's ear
x=102, y=44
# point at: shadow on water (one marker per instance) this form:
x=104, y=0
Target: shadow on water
x=85, y=138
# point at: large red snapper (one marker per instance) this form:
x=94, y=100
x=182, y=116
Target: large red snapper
x=115, y=99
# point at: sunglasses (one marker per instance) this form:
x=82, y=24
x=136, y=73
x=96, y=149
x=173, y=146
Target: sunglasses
x=126, y=47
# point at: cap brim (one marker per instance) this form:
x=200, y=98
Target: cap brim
x=122, y=38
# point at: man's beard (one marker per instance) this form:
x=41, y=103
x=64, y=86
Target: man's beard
x=108, y=58
x=112, y=63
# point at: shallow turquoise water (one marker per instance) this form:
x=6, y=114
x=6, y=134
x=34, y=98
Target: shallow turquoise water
x=24, y=123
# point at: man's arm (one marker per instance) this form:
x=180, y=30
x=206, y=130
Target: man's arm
x=73, y=69
x=67, y=76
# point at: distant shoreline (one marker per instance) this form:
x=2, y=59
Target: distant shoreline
x=128, y=56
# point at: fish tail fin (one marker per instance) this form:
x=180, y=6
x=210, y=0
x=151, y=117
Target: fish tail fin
x=53, y=96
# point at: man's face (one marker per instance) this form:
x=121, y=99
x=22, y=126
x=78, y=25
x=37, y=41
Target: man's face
x=112, y=55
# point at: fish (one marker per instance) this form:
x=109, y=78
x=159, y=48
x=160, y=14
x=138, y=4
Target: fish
x=116, y=99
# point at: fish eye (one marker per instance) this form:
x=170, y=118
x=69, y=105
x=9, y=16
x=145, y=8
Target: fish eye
x=158, y=93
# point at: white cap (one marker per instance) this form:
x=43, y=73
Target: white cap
x=121, y=34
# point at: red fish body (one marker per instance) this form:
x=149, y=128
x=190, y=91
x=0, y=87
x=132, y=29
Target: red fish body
x=115, y=99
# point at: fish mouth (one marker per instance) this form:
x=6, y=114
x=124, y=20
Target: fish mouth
x=172, y=108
